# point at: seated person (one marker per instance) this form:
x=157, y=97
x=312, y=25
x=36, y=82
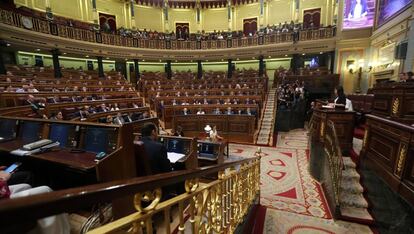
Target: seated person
x=341, y=98
x=217, y=111
x=179, y=132
x=186, y=111
x=8, y=190
x=214, y=136
x=157, y=153
x=200, y=112
x=56, y=116
x=229, y=111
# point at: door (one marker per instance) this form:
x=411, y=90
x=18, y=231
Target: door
x=249, y=26
x=312, y=18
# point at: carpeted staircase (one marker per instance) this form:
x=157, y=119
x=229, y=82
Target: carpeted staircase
x=265, y=135
x=354, y=206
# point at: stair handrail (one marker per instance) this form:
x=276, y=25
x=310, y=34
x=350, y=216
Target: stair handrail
x=334, y=155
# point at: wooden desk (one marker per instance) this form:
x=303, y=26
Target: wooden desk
x=169, y=113
x=394, y=100
x=344, y=122
x=388, y=149
x=218, y=152
x=80, y=161
x=118, y=164
x=189, y=148
x=235, y=128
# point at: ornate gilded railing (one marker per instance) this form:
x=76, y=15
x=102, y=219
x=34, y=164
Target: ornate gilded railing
x=334, y=156
x=219, y=205
x=215, y=207
x=49, y=27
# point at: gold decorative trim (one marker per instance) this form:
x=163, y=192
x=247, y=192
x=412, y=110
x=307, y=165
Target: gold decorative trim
x=395, y=106
x=216, y=207
x=364, y=143
x=322, y=132
x=149, y=196
x=401, y=158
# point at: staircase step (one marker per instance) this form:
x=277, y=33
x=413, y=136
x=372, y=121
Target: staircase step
x=359, y=215
x=352, y=200
x=350, y=174
x=348, y=163
x=351, y=186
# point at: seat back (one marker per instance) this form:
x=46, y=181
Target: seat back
x=142, y=160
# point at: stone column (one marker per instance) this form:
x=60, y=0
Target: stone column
x=261, y=66
x=56, y=64
x=136, y=68
x=132, y=11
x=100, y=67
x=229, y=68
x=199, y=69
x=168, y=69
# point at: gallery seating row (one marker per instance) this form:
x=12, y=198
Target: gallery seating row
x=68, y=109
x=19, y=99
x=169, y=112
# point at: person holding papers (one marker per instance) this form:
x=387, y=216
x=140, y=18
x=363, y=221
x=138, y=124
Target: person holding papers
x=156, y=151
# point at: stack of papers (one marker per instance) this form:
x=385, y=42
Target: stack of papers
x=174, y=157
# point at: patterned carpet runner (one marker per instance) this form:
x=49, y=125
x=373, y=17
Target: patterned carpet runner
x=293, y=201
x=265, y=136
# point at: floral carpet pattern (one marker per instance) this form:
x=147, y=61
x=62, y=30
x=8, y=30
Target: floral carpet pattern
x=294, y=202
x=285, y=181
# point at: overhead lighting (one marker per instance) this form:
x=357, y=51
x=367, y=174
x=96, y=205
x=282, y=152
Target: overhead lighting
x=237, y=59
x=321, y=52
x=87, y=56
x=303, y=54
x=37, y=49
x=286, y=55
x=107, y=58
x=64, y=53
x=143, y=60
x=8, y=44
x=270, y=56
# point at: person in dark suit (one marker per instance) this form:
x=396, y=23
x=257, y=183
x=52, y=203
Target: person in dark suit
x=157, y=153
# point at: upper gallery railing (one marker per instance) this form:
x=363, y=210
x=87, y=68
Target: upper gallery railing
x=50, y=27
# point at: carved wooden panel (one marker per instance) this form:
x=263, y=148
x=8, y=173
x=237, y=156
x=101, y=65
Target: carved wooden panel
x=383, y=149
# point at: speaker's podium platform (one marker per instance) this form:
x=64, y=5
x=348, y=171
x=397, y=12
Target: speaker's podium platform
x=343, y=120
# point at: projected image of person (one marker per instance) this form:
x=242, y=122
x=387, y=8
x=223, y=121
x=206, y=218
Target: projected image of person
x=358, y=14
x=358, y=9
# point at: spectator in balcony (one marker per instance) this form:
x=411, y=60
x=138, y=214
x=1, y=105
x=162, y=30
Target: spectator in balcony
x=106, y=27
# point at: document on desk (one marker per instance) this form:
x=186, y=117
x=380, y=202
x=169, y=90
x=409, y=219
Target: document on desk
x=23, y=152
x=174, y=157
